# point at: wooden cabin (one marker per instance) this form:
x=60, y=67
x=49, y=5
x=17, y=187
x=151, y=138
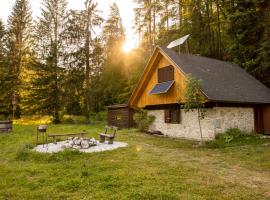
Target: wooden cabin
x=234, y=99
x=120, y=116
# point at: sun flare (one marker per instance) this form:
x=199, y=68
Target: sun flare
x=128, y=46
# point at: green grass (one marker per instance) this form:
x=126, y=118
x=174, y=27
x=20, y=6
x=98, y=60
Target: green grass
x=149, y=168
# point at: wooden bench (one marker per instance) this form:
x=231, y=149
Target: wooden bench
x=106, y=134
x=55, y=136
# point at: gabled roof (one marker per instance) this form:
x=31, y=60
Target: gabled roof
x=221, y=81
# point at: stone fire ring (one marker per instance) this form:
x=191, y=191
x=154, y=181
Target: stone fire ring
x=54, y=148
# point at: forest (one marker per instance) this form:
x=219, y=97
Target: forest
x=60, y=64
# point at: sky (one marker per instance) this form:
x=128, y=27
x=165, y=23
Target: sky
x=125, y=7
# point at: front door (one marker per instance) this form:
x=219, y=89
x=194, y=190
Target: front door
x=266, y=120
x=258, y=119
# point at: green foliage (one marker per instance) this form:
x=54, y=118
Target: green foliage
x=73, y=119
x=75, y=71
x=143, y=120
x=19, y=51
x=249, y=27
x=101, y=116
x=193, y=97
x=234, y=137
x=5, y=77
x=44, y=93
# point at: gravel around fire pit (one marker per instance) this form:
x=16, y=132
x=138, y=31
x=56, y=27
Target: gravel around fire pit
x=54, y=148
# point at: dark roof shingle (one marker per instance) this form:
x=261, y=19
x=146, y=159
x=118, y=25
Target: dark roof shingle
x=221, y=81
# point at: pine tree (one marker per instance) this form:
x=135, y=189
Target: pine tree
x=50, y=53
x=114, y=33
x=80, y=28
x=19, y=49
x=5, y=79
x=113, y=79
x=248, y=27
x=92, y=19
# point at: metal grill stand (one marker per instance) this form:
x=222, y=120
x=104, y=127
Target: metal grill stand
x=42, y=129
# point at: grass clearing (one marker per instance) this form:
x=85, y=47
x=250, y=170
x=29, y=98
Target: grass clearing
x=149, y=168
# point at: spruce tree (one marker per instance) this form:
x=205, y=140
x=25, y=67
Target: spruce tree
x=50, y=53
x=5, y=78
x=19, y=49
x=248, y=26
x=79, y=34
x=113, y=78
x=92, y=19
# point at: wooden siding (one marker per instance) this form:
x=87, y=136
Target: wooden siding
x=266, y=120
x=121, y=117
x=174, y=94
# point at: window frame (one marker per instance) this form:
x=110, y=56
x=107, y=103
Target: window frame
x=165, y=74
x=168, y=119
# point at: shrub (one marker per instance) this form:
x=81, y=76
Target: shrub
x=73, y=119
x=101, y=116
x=230, y=135
x=143, y=120
x=234, y=137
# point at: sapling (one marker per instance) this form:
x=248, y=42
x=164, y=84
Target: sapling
x=194, y=99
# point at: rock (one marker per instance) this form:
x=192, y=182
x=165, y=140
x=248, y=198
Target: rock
x=85, y=144
x=77, y=142
x=67, y=146
x=76, y=147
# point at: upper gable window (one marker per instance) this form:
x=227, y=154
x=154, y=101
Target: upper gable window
x=166, y=74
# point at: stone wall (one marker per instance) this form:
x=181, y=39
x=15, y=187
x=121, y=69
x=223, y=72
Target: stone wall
x=217, y=120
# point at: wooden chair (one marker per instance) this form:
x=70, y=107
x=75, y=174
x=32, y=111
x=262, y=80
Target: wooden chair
x=110, y=136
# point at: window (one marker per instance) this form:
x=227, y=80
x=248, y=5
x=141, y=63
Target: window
x=172, y=116
x=165, y=74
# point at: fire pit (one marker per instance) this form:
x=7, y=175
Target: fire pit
x=84, y=145
x=79, y=143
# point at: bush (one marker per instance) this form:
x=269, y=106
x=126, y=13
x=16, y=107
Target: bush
x=73, y=119
x=234, y=137
x=101, y=116
x=230, y=135
x=143, y=120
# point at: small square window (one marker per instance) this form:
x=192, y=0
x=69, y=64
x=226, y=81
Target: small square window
x=172, y=116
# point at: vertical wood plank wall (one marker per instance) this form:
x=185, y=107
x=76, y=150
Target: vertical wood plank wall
x=174, y=94
x=122, y=117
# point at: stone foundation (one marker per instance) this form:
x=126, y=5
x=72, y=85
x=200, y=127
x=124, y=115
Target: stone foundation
x=217, y=120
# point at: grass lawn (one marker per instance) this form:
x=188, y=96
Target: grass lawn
x=149, y=168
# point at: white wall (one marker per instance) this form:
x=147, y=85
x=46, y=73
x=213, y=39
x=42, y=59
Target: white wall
x=217, y=120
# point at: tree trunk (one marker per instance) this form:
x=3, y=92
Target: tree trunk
x=149, y=6
x=180, y=13
x=87, y=66
x=55, y=49
x=199, y=121
x=218, y=31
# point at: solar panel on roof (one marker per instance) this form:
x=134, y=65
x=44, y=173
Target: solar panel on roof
x=162, y=88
